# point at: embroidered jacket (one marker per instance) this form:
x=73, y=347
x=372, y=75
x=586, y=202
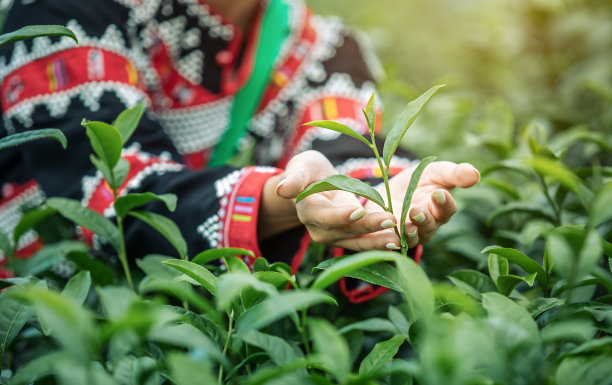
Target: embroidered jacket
x=187, y=62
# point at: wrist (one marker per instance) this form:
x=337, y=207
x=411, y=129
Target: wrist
x=276, y=214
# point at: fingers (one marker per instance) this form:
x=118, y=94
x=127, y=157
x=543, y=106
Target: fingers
x=382, y=240
x=449, y=174
x=303, y=169
x=327, y=223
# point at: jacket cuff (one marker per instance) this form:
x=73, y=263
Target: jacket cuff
x=242, y=209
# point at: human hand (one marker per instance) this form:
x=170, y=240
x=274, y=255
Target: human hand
x=432, y=204
x=335, y=218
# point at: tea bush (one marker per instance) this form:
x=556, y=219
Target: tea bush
x=516, y=289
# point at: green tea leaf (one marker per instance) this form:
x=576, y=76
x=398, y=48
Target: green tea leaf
x=280, y=352
x=235, y=264
x=497, y=266
x=186, y=369
x=559, y=172
x=13, y=317
x=105, y=141
x=77, y=288
x=29, y=220
x=338, y=270
x=231, y=285
x=344, y=183
x=542, y=304
x=526, y=263
x=504, y=308
x=103, y=168
x=472, y=282
x=133, y=200
x=338, y=127
x=187, y=336
x=404, y=121
x=70, y=324
x=381, y=274
x=83, y=216
x=600, y=210
x=120, y=172
x=28, y=136
x=381, y=354
x=414, y=182
x=199, y=273
x=48, y=256
x=370, y=114
x=371, y=325
x=508, y=282
x=180, y=290
x=331, y=350
x=128, y=120
x=210, y=255
x=166, y=227
x=274, y=308
x=32, y=31
x=417, y=289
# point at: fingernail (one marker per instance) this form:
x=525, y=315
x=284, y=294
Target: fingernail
x=439, y=196
x=357, y=214
x=419, y=218
x=387, y=224
x=392, y=246
x=477, y=173
x=282, y=182
x=412, y=234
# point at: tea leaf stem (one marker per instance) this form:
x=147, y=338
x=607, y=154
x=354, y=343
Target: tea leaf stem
x=553, y=205
x=230, y=330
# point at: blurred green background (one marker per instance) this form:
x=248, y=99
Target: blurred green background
x=510, y=66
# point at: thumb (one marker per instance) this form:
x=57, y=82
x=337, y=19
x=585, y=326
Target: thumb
x=302, y=170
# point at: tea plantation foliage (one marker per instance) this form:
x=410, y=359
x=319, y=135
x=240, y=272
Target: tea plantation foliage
x=516, y=289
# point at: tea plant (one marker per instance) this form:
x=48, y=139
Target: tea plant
x=392, y=142
x=540, y=315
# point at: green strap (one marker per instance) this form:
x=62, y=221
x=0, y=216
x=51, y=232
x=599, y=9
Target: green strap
x=274, y=30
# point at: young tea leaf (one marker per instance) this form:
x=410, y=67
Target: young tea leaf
x=497, y=266
x=408, y=116
x=370, y=114
x=83, y=216
x=332, y=352
x=338, y=270
x=381, y=354
x=5, y=244
x=274, y=308
x=32, y=31
x=128, y=120
x=341, y=128
x=131, y=201
x=472, y=282
x=344, y=183
x=165, y=227
x=526, y=263
x=13, y=317
x=77, y=288
x=105, y=141
x=201, y=274
x=210, y=255
x=280, y=352
x=414, y=182
x=120, y=172
x=508, y=282
x=28, y=136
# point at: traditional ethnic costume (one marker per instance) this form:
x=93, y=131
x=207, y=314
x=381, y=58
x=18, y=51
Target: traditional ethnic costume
x=215, y=95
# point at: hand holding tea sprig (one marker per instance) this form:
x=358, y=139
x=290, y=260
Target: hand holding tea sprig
x=337, y=217
x=432, y=204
